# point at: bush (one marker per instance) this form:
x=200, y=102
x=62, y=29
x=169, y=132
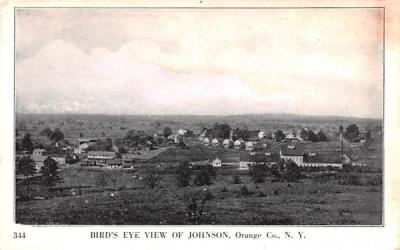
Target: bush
x=195, y=201
x=258, y=172
x=183, y=174
x=205, y=176
x=245, y=191
x=152, y=178
x=350, y=180
x=236, y=179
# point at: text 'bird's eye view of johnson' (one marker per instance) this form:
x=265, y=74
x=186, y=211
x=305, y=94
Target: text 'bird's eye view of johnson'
x=199, y=116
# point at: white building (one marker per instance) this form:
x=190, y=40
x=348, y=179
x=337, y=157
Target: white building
x=216, y=163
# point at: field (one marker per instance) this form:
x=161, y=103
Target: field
x=312, y=201
x=94, y=195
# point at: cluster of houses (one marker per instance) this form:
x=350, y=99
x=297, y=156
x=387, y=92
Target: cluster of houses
x=295, y=153
x=253, y=150
x=39, y=155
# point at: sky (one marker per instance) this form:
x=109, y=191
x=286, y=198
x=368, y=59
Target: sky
x=199, y=61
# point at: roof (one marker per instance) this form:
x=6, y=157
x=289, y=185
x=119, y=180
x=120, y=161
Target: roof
x=57, y=155
x=259, y=157
x=292, y=150
x=117, y=161
x=322, y=158
x=39, y=158
x=39, y=150
x=82, y=140
x=109, y=153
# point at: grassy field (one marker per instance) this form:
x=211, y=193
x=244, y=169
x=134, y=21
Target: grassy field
x=312, y=201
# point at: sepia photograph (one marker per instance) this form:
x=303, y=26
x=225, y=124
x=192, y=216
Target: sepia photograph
x=199, y=116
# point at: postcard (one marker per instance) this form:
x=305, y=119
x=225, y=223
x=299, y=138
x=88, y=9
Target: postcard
x=262, y=124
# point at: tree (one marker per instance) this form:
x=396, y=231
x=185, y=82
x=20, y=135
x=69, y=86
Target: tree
x=279, y=136
x=195, y=201
x=183, y=174
x=108, y=144
x=190, y=133
x=56, y=135
x=49, y=172
x=292, y=172
x=312, y=136
x=167, y=132
x=341, y=129
x=205, y=176
x=243, y=133
x=321, y=136
x=221, y=131
x=46, y=132
x=101, y=180
x=123, y=150
x=258, y=172
x=114, y=178
x=26, y=167
x=152, y=177
x=304, y=134
x=27, y=143
x=352, y=132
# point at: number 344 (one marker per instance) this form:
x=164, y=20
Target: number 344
x=19, y=235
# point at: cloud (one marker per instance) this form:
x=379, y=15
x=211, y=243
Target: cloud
x=202, y=62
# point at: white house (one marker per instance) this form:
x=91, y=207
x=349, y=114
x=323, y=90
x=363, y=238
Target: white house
x=292, y=152
x=182, y=132
x=237, y=144
x=206, y=142
x=216, y=163
x=249, y=146
x=215, y=142
x=226, y=143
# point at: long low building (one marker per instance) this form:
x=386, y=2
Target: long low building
x=297, y=154
x=101, y=156
x=250, y=158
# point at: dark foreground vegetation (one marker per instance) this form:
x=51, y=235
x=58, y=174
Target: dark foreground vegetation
x=232, y=198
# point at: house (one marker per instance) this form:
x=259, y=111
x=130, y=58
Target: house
x=215, y=142
x=84, y=144
x=39, y=155
x=249, y=146
x=206, y=142
x=182, y=132
x=59, y=158
x=227, y=143
x=292, y=152
x=206, y=132
x=216, y=163
x=86, y=162
x=128, y=160
x=114, y=163
x=261, y=135
x=237, y=144
x=174, y=138
x=101, y=156
x=249, y=158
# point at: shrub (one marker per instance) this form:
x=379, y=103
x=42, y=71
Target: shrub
x=245, y=191
x=195, y=202
x=258, y=172
x=183, y=174
x=236, y=179
x=152, y=178
x=205, y=176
